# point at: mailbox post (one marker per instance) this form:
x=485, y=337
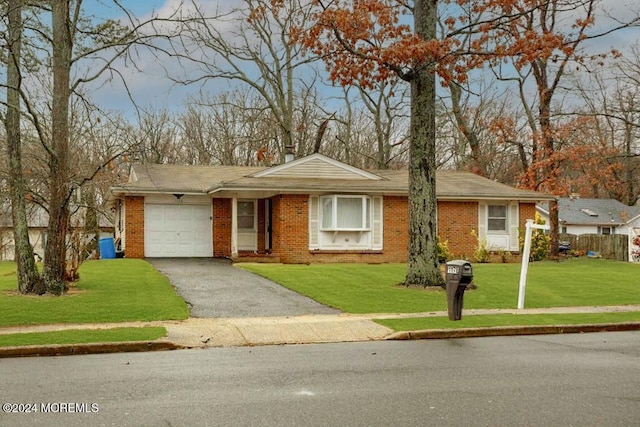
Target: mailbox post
x=459, y=275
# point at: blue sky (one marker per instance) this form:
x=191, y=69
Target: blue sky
x=151, y=88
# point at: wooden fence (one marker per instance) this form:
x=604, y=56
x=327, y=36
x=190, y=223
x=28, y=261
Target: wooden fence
x=615, y=247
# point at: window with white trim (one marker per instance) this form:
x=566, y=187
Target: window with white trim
x=497, y=218
x=345, y=213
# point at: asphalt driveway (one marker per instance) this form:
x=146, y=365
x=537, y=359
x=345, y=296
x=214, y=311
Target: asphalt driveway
x=215, y=288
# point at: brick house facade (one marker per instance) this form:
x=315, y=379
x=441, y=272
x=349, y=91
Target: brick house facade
x=290, y=213
x=288, y=224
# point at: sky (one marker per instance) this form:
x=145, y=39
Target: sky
x=151, y=88
x=147, y=80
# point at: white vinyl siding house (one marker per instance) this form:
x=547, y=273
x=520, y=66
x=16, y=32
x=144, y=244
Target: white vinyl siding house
x=580, y=216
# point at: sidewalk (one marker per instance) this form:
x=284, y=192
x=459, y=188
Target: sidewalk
x=232, y=332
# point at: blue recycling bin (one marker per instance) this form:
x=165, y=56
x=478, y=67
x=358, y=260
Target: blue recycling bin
x=107, y=248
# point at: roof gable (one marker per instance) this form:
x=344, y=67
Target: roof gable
x=316, y=166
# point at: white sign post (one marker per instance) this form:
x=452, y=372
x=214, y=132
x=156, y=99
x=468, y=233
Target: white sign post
x=526, y=252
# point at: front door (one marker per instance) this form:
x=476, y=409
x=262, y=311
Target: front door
x=247, y=217
x=267, y=225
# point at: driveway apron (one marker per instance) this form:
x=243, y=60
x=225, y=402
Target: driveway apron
x=215, y=288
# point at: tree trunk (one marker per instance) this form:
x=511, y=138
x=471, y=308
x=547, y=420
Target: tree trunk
x=29, y=280
x=554, y=230
x=551, y=171
x=422, y=263
x=55, y=250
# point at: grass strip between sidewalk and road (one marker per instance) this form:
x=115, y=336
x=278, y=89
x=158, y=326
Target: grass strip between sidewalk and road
x=492, y=320
x=83, y=336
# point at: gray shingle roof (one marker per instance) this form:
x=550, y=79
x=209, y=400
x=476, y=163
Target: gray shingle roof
x=579, y=211
x=212, y=179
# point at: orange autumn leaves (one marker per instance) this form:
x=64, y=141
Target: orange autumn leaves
x=365, y=41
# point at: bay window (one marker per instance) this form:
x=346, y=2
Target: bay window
x=349, y=213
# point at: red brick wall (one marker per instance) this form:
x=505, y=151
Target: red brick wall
x=396, y=228
x=134, y=226
x=221, y=227
x=291, y=227
x=455, y=222
x=527, y=211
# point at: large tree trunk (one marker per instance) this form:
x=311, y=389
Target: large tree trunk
x=422, y=264
x=29, y=280
x=55, y=250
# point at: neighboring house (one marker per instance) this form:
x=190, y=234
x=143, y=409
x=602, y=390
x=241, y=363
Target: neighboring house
x=313, y=209
x=37, y=220
x=592, y=216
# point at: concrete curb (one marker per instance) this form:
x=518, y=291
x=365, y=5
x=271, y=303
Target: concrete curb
x=164, y=344
x=93, y=348
x=512, y=331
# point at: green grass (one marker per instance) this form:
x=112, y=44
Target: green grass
x=421, y=323
x=362, y=288
x=114, y=290
x=83, y=336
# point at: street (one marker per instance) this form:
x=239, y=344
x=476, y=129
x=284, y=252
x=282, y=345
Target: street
x=581, y=380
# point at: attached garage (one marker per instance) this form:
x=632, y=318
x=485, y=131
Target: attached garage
x=177, y=230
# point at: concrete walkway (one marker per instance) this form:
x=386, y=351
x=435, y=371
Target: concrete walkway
x=231, y=332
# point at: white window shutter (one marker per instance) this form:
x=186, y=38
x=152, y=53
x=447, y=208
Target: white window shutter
x=514, y=223
x=314, y=222
x=377, y=223
x=482, y=222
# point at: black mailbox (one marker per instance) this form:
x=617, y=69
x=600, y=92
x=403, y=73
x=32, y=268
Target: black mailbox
x=459, y=275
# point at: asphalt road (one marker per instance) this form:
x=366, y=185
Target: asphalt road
x=567, y=380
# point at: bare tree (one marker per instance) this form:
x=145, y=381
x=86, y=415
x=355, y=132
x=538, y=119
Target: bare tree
x=156, y=138
x=612, y=99
x=72, y=45
x=251, y=45
x=371, y=129
x=29, y=280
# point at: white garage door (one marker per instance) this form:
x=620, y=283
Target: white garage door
x=177, y=231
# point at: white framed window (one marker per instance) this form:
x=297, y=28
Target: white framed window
x=607, y=230
x=246, y=214
x=497, y=218
x=345, y=213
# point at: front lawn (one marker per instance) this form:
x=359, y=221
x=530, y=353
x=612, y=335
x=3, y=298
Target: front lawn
x=113, y=290
x=362, y=288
